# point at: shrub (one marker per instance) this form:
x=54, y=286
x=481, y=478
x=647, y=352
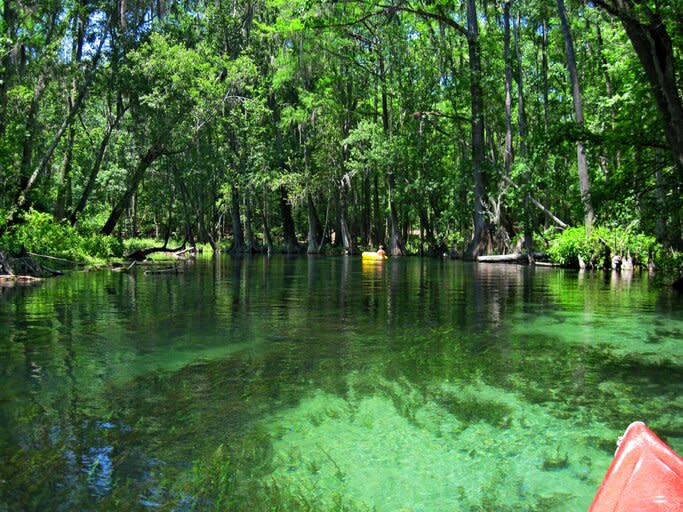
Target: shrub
x=603, y=243
x=568, y=246
x=40, y=233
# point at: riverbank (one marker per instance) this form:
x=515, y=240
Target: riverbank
x=41, y=247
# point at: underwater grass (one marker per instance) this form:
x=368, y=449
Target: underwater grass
x=403, y=449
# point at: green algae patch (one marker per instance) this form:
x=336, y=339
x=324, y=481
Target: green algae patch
x=646, y=338
x=366, y=450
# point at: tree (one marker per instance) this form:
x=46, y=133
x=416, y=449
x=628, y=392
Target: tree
x=584, y=178
x=647, y=26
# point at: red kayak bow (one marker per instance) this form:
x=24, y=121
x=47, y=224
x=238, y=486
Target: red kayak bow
x=645, y=476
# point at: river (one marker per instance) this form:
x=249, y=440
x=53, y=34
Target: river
x=322, y=383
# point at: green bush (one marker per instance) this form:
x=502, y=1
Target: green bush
x=568, y=246
x=40, y=233
x=603, y=243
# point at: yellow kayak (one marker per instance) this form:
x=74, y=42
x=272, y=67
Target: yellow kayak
x=372, y=255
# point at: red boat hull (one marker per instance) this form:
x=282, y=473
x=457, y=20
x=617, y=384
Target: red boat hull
x=645, y=476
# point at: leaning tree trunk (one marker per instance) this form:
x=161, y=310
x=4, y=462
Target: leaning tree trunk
x=29, y=182
x=654, y=47
x=584, y=179
x=99, y=157
x=145, y=162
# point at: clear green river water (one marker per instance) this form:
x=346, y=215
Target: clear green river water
x=324, y=384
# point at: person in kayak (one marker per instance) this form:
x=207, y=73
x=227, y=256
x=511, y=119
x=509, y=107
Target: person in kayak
x=380, y=251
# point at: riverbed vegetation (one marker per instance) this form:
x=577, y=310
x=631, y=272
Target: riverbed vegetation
x=327, y=127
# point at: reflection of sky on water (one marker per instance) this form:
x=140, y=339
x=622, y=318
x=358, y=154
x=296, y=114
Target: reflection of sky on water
x=97, y=464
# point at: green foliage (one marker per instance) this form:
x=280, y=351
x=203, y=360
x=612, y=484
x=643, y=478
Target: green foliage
x=341, y=103
x=597, y=248
x=40, y=233
x=568, y=246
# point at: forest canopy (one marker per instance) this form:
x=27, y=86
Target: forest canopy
x=477, y=127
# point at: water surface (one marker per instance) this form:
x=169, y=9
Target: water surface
x=325, y=384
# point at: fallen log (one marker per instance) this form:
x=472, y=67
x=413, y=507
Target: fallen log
x=170, y=270
x=141, y=254
x=4, y=278
x=547, y=264
x=192, y=250
x=125, y=269
x=503, y=258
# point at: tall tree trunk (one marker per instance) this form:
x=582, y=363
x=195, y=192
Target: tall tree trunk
x=267, y=238
x=395, y=245
x=64, y=182
x=544, y=69
x=395, y=238
x=314, y=228
x=291, y=245
x=521, y=128
x=521, y=111
x=378, y=225
x=584, y=178
x=6, y=65
x=507, y=157
x=133, y=216
x=248, y=226
x=145, y=161
x=660, y=222
x=237, y=233
x=609, y=89
x=205, y=232
x=479, y=242
x=189, y=236
x=367, y=211
x=288, y=230
x=426, y=229
x=346, y=239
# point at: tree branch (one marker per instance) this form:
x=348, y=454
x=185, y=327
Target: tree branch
x=440, y=16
